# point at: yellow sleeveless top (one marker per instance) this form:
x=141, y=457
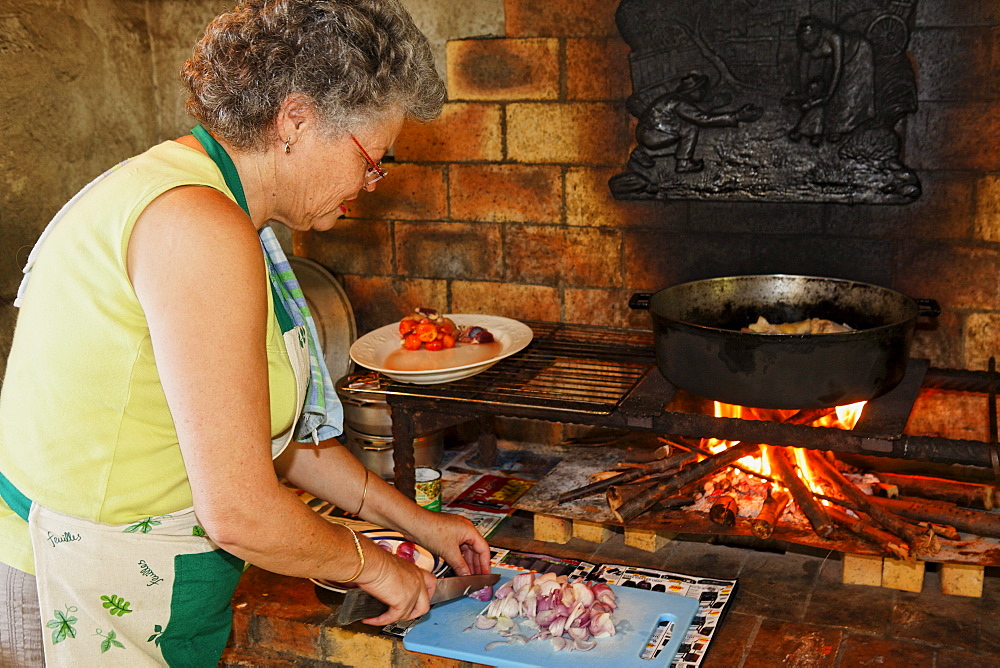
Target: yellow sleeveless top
x=84, y=425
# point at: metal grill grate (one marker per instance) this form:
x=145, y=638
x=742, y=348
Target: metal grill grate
x=573, y=368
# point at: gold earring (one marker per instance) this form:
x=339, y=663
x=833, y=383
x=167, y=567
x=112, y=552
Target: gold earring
x=288, y=147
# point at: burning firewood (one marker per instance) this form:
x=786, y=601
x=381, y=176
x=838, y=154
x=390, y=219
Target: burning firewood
x=724, y=511
x=657, y=468
x=922, y=541
x=763, y=525
x=781, y=458
x=968, y=521
x=968, y=495
x=885, y=541
x=626, y=510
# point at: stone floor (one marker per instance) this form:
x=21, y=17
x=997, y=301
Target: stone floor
x=790, y=610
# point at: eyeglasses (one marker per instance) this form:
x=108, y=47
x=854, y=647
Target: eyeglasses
x=375, y=171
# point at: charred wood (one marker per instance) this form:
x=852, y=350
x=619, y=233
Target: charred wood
x=889, y=544
x=969, y=495
x=662, y=466
x=724, y=511
x=626, y=510
x=763, y=525
x=967, y=521
x=922, y=540
x=803, y=496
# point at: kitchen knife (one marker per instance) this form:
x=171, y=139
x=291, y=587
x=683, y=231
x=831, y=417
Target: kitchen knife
x=360, y=605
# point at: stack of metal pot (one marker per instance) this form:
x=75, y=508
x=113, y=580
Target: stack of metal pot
x=368, y=432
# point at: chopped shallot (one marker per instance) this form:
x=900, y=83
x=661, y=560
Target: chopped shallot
x=570, y=615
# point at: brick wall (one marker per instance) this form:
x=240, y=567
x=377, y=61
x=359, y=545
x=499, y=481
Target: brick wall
x=502, y=205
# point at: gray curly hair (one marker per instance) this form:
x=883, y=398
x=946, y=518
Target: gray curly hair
x=356, y=60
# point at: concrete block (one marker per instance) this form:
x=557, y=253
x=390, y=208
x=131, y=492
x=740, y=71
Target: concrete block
x=553, y=529
x=903, y=575
x=647, y=539
x=593, y=532
x=862, y=569
x=962, y=580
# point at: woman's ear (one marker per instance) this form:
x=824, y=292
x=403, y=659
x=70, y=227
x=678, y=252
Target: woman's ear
x=295, y=115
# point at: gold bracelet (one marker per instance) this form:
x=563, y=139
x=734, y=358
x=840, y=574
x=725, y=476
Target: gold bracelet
x=364, y=493
x=361, y=554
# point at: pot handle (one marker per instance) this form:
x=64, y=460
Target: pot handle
x=929, y=307
x=640, y=301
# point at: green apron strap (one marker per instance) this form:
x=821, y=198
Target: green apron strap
x=232, y=178
x=14, y=499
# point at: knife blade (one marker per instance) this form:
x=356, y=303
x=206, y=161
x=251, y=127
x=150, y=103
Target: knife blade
x=359, y=604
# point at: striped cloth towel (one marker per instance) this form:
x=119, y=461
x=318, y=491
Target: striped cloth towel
x=322, y=415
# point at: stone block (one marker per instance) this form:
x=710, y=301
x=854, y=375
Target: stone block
x=448, y=250
x=349, y=648
x=506, y=193
x=355, y=246
x=561, y=256
x=503, y=69
x=592, y=532
x=956, y=63
x=380, y=300
x=962, y=580
x=465, y=131
x=582, y=133
x=959, y=277
x=957, y=415
x=589, y=202
x=290, y=636
x=551, y=529
x=903, y=575
x=571, y=18
x=982, y=340
x=647, y=539
x=597, y=68
x=954, y=135
x=523, y=302
x=862, y=569
x=607, y=308
x=409, y=192
x=988, y=208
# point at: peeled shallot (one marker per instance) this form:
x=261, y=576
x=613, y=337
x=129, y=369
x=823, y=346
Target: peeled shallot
x=570, y=615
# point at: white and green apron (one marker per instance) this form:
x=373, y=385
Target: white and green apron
x=153, y=592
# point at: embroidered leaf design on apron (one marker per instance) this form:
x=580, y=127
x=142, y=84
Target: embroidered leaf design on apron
x=198, y=531
x=155, y=638
x=62, y=625
x=145, y=526
x=109, y=640
x=116, y=605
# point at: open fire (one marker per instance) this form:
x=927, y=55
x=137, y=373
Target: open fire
x=763, y=485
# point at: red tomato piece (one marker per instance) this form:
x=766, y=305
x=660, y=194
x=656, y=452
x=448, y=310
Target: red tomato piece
x=412, y=342
x=407, y=325
x=448, y=341
x=426, y=331
x=436, y=344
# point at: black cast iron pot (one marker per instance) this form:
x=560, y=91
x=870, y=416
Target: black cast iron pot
x=700, y=348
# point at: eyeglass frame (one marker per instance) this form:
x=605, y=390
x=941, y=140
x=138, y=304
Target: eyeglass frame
x=375, y=167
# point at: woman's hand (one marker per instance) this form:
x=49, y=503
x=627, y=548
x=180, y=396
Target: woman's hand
x=454, y=538
x=400, y=584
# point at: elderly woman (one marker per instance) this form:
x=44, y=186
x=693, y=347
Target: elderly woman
x=162, y=359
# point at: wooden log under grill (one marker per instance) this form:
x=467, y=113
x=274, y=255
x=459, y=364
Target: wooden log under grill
x=967, y=521
x=885, y=541
x=781, y=458
x=653, y=468
x=969, y=495
x=763, y=525
x=626, y=510
x=724, y=511
x=922, y=541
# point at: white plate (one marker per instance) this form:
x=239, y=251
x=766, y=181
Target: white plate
x=387, y=538
x=331, y=311
x=381, y=351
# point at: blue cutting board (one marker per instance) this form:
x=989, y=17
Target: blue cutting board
x=440, y=632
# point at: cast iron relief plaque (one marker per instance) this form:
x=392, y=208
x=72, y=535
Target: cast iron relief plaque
x=769, y=100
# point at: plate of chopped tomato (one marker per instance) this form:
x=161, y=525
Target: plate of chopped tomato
x=425, y=347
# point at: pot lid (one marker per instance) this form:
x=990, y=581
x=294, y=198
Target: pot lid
x=331, y=312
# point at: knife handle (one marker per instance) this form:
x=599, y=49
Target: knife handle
x=359, y=604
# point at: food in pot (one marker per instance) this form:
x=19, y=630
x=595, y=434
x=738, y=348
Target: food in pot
x=427, y=329
x=807, y=326
x=571, y=615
